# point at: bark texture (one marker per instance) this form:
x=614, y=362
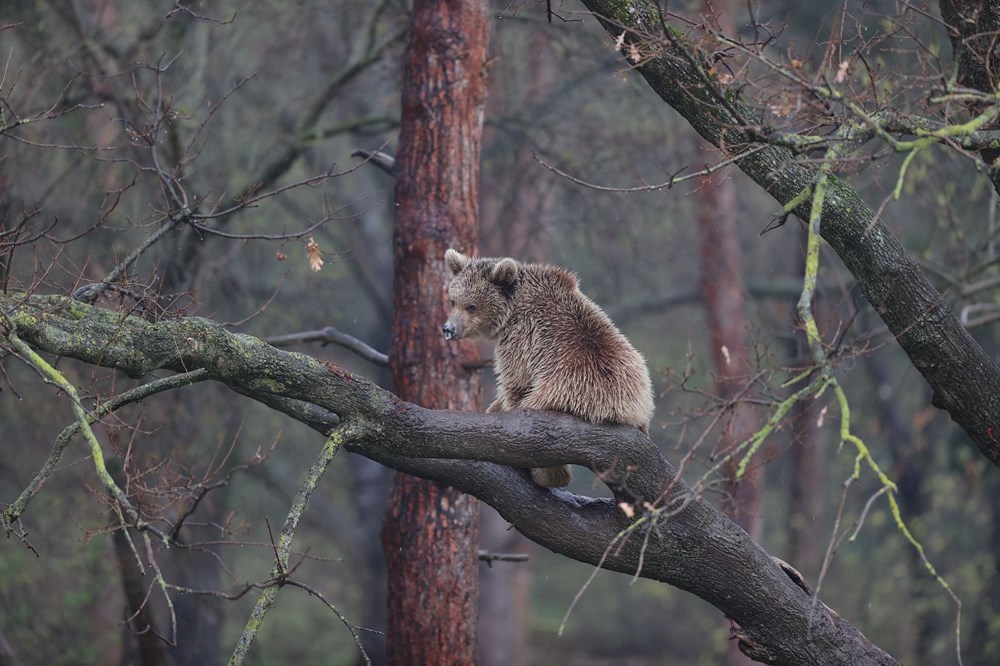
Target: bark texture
x=698, y=549
x=965, y=380
x=431, y=531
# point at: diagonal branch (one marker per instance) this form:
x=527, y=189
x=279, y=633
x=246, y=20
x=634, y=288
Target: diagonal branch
x=965, y=380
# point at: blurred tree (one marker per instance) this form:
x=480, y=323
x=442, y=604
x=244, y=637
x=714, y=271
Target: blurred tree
x=729, y=343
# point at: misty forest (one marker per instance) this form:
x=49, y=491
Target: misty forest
x=232, y=431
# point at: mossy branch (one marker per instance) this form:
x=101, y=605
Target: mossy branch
x=965, y=379
x=53, y=376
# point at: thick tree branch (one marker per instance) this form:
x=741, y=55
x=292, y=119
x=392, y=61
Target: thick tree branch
x=696, y=548
x=965, y=380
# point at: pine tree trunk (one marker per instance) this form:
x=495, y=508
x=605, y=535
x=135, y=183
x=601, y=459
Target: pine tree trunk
x=725, y=313
x=430, y=534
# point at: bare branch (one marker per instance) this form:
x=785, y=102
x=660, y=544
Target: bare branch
x=330, y=335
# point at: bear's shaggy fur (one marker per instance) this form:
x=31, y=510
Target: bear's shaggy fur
x=555, y=348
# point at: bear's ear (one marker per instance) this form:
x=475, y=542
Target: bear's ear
x=456, y=261
x=568, y=279
x=504, y=272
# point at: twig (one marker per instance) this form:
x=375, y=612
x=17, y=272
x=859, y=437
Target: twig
x=350, y=626
x=674, y=179
x=330, y=335
x=13, y=512
x=340, y=435
x=89, y=293
x=382, y=160
x=490, y=558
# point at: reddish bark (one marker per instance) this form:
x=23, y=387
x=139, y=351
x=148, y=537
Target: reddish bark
x=430, y=533
x=722, y=292
x=725, y=311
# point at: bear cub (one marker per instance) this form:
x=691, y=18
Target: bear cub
x=556, y=350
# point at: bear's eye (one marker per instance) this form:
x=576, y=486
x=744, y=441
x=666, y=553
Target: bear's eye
x=453, y=302
x=471, y=309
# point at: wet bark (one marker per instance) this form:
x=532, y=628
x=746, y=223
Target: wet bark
x=431, y=531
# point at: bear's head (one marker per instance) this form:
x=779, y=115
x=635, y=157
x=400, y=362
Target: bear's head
x=481, y=291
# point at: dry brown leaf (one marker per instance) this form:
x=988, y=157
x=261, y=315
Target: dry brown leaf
x=633, y=53
x=314, y=255
x=841, y=72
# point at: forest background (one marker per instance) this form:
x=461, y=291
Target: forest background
x=264, y=106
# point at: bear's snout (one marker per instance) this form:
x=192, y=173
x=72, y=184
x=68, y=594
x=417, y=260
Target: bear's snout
x=449, y=331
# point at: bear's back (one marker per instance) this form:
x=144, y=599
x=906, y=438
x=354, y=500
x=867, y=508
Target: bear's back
x=561, y=352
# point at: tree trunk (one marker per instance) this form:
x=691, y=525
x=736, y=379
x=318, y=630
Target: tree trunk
x=430, y=533
x=725, y=310
x=505, y=588
x=721, y=284
x=513, y=215
x=807, y=535
x=722, y=294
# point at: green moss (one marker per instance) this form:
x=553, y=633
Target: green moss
x=24, y=320
x=271, y=385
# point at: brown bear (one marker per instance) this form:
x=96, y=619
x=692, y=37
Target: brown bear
x=555, y=348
